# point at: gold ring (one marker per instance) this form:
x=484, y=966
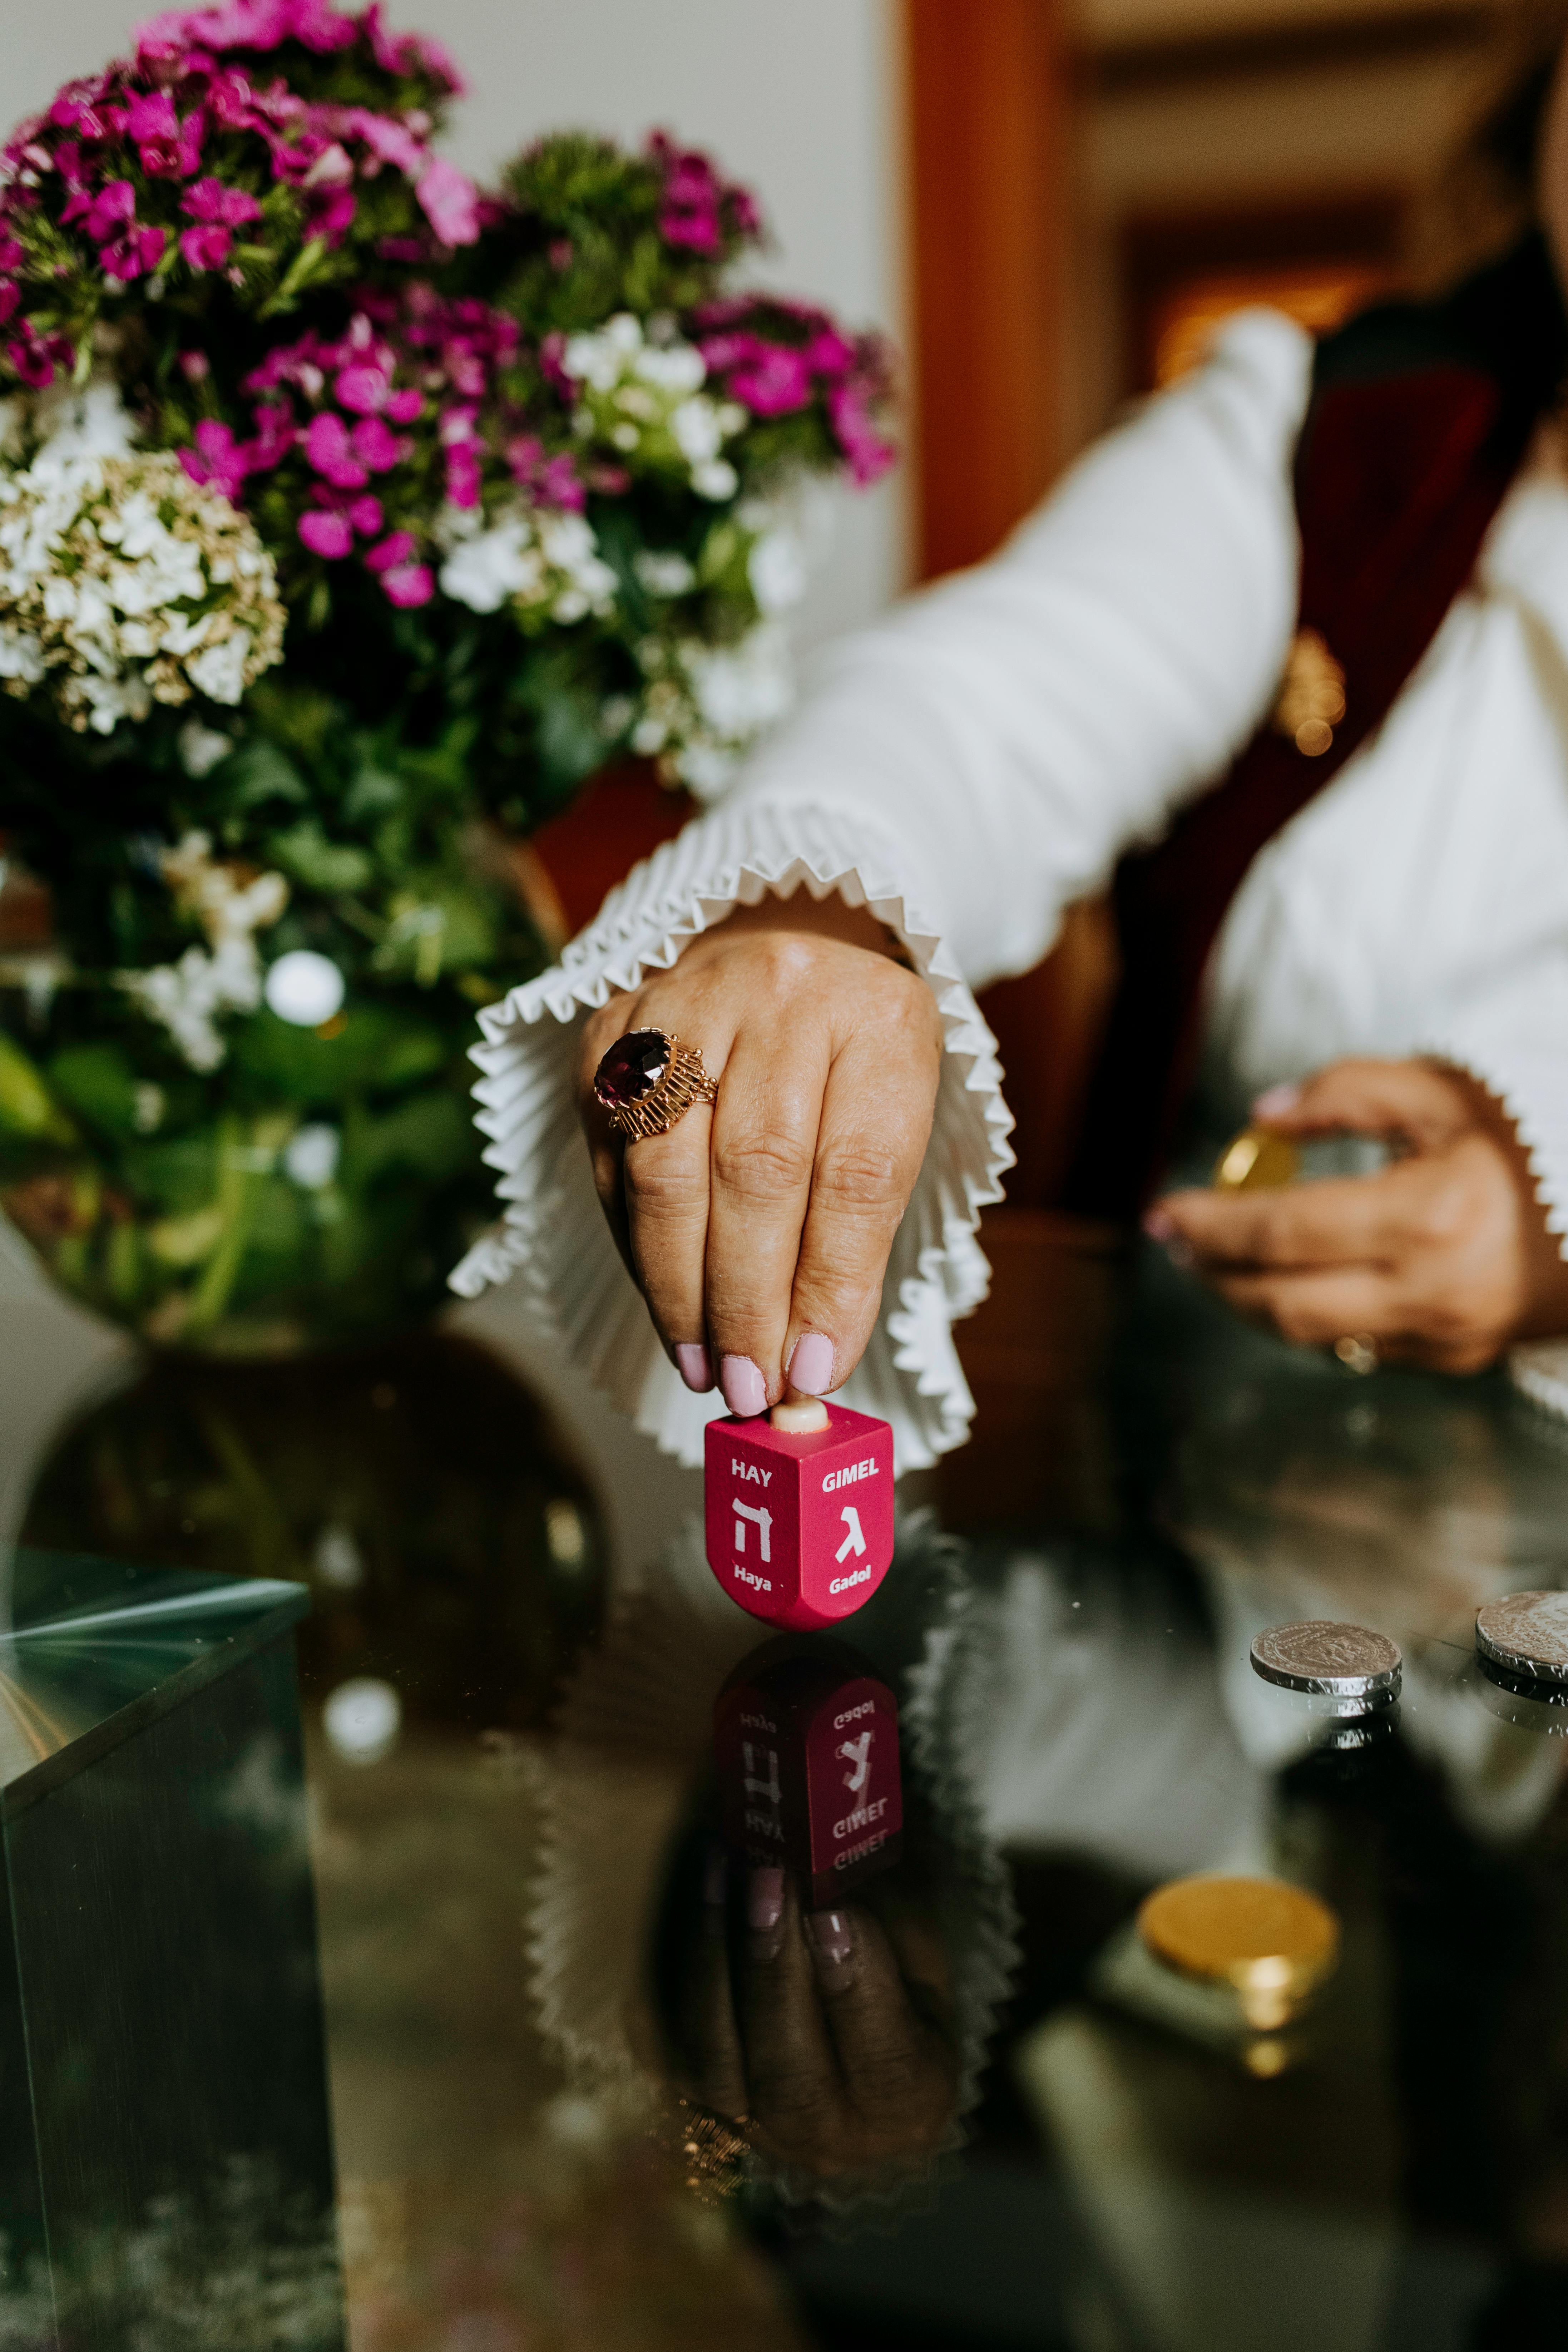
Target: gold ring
x=1357, y=1351
x=648, y=1080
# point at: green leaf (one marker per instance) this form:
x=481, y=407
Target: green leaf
x=334, y=868
x=26, y=1106
x=430, y=1138
x=376, y=1051
x=258, y=772
x=99, y=1084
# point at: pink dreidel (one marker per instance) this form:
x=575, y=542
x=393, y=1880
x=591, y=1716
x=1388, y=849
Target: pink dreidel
x=800, y=1520
x=807, y=1750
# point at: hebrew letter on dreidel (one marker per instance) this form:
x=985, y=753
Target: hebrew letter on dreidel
x=854, y=1541
x=761, y=1519
x=856, y=1752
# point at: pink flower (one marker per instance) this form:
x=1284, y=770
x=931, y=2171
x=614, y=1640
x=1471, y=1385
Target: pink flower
x=403, y=407
x=196, y=366
x=449, y=203
x=11, y=254
x=774, y=382
x=376, y=444
x=411, y=53
x=247, y=24
x=830, y=354
x=218, y=458
x=869, y=452
x=333, y=216
x=463, y=476
x=392, y=552
x=410, y=584
x=275, y=436
x=330, y=535
x=210, y=201
x=388, y=140
x=133, y=255
x=206, y=248
x=10, y=301
x=112, y=206
x=327, y=451
x=167, y=147
x=35, y=357
x=362, y=389
x=367, y=516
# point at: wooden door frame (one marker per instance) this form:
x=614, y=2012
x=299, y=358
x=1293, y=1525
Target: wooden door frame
x=986, y=117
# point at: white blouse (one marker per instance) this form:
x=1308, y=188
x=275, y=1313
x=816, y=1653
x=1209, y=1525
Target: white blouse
x=980, y=759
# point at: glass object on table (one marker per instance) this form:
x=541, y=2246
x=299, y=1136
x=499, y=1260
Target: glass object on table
x=165, y=2148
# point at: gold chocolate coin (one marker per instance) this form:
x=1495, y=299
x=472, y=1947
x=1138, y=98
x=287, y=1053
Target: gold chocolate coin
x=1255, y=1160
x=1273, y=1944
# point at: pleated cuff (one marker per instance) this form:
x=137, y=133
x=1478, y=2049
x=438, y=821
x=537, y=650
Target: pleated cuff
x=553, y=1236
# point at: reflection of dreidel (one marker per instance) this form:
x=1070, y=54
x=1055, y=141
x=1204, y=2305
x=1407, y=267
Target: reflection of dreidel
x=800, y=1511
x=806, y=1744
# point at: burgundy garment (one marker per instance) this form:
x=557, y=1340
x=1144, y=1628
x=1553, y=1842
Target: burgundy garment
x=1398, y=479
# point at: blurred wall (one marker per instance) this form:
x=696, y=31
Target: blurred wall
x=801, y=102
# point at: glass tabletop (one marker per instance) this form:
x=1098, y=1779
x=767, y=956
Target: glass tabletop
x=1015, y=1968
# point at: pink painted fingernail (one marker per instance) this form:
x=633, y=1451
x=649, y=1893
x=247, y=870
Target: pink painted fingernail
x=1275, y=1101
x=695, y=1365
x=764, y=1912
x=811, y=1365
x=1157, y=1225
x=832, y=1943
x=746, y=1391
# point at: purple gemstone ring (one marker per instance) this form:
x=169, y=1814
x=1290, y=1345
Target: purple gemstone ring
x=648, y=1079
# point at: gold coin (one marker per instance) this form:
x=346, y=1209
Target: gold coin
x=1273, y=1944
x=1256, y=1159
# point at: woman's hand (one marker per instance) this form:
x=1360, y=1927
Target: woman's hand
x=758, y=1231
x=1442, y=1258
x=827, y=2037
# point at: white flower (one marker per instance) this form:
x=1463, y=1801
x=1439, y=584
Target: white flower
x=221, y=671
x=69, y=420
x=232, y=903
x=310, y=1157
x=696, y=430
x=122, y=582
x=663, y=572
x=646, y=400
x=704, y=705
x=201, y=748
x=538, y=558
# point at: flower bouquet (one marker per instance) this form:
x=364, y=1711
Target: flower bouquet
x=351, y=518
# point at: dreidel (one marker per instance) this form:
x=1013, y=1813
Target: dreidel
x=806, y=1745
x=799, y=1506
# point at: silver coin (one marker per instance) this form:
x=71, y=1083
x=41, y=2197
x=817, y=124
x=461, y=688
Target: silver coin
x=1528, y=1634
x=1329, y=1660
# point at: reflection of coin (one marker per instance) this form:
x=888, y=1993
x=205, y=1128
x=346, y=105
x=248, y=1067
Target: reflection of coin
x=1255, y=1159
x=1330, y=1660
x=1274, y=1943
x=1528, y=1634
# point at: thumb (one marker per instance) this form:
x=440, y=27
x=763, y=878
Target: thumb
x=1422, y=1104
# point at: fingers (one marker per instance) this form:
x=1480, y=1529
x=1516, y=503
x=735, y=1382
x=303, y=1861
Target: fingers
x=764, y=1145
x=876, y=1122
x=1314, y=1310
x=1419, y=1100
x=1354, y=1220
x=666, y=1191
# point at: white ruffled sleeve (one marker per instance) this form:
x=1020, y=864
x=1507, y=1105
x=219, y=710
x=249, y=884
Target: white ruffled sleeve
x=965, y=770
x=553, y=1235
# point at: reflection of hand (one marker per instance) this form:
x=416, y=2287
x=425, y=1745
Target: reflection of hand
x=826, y=2038
x=1442, y=1258
x=770, y=1217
